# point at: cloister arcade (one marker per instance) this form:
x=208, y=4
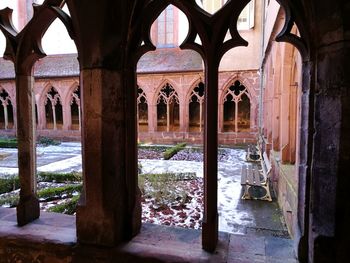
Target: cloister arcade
x=170, y=105
x=108, y=80
x=6, y=111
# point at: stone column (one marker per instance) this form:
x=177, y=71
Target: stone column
x=28, y=206
x=103, y=215
x=5, y=115
x=54, y=115
x=152, y=118
x=329, y=209
x=182, y=113
x=294, y=116
x=67, y=115
x=210, y=216
x=276, y=123
x=285, y=122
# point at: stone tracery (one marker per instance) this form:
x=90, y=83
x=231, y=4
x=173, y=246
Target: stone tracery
x=168, y=108
x=196, y=105
x=53, y=110
x=6, y=113
x=236, y=97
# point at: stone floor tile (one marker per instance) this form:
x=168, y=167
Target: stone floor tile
x=245, y=258
x=280, y=260
x=279, y=248
x=251, y=245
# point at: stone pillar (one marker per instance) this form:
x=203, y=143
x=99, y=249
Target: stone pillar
x=67, y=115
x=152, y=118
x=221, y=116
x=186, y=114
x=6, y=115
x=304, y=162
x=285, y=123
x=103, y=214
x=41, y=115
x=330, y=211
x=28, y=206
x=293, y=117
x=276, y=123
x=182, y=113
x=210, y=216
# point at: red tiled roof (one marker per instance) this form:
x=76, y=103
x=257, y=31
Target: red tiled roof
x=51, y=66
x=170, y=60
x=161, y=60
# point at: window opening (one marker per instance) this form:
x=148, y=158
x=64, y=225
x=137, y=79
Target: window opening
x=75, y=109
x=168, y=109
x=165, y=28
x=236, y=108
x=53, y=110
x=196, y=108
x=6, y=111
x=142, y=110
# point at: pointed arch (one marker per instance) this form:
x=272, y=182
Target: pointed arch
x=53, y=108
x=195, y=101
x=6, y=110
x=168, y=108
x=75, y=108
x=236, y=103
x=142, y=109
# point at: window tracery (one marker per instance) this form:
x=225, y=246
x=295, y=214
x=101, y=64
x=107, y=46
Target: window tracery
x=142, y=110
x=53, y=109
x=236, y=108
x=6, y=113
x=168, y=108
x=165, y=27
x=196, y=107
x=75, y=109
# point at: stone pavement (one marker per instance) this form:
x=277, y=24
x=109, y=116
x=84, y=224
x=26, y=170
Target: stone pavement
x=53, y=235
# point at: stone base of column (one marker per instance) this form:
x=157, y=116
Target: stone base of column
x=96, y=227
x=210, y=235
x=28, y=210
x=136, y=215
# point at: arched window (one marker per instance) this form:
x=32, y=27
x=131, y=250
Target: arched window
x=53, y=110
x=167, y=109
x=142, y=110
x=165, y=28
x=75, y=109
x=196, y=103
x=6, y=110
x=236, y=108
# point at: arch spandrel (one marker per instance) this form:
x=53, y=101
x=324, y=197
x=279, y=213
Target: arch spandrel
x=24, y=48
x=211, y=29
x=245, y=82
x=162, y=84
x=294, y=16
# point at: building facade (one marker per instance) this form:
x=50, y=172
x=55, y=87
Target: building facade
x=303, y=119
x=162, y=119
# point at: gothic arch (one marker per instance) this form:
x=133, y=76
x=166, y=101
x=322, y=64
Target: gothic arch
x=167, y=105
x=142, y=109
x=69, y=94
x=196, y=110
x=74, y=105
x=161, y=86
x=230, y=109
x=245, y=82
x=52, y=106
x=192, y=86
x=7, y=110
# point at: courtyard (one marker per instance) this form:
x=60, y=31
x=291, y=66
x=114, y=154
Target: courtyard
x=236, y=216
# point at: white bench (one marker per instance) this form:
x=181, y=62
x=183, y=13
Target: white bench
x=255, y=182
